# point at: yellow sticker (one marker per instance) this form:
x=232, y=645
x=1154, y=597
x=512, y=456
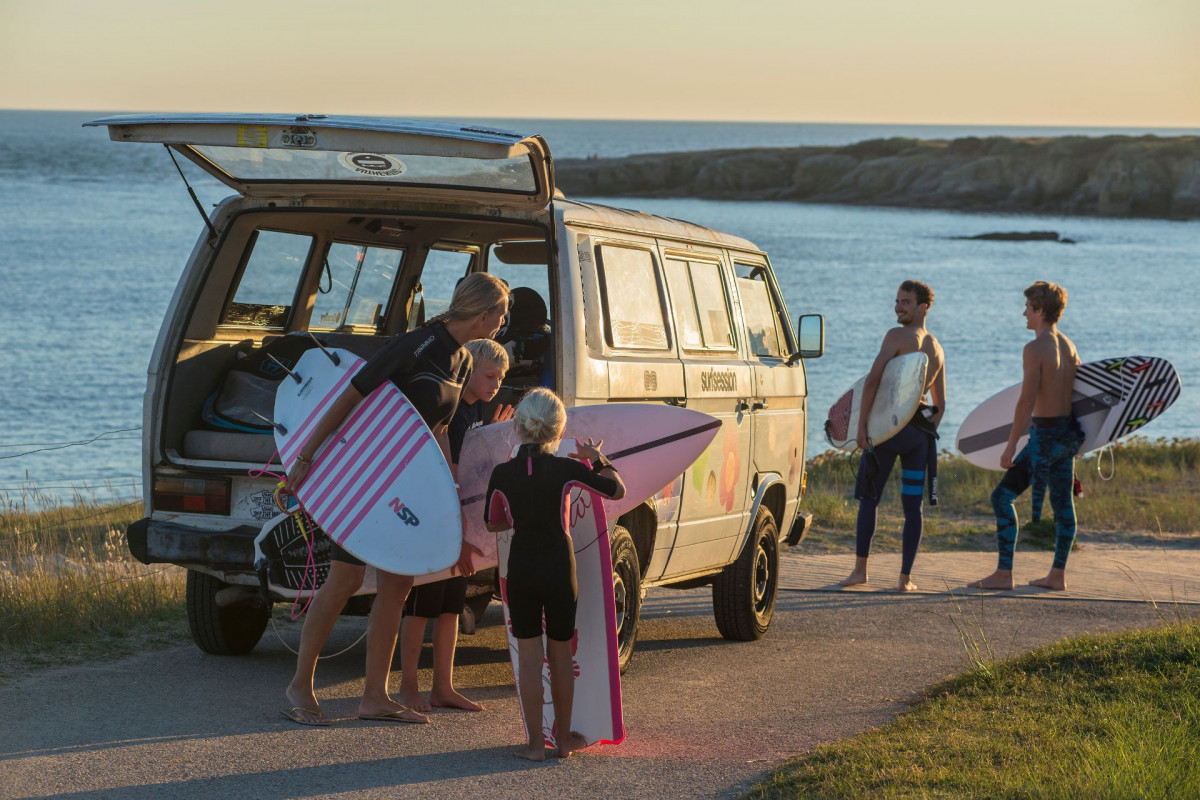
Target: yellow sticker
x=252, y=136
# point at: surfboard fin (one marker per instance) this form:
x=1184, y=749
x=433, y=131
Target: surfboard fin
x=334, y=357
x=283, y=367
x=276, y=425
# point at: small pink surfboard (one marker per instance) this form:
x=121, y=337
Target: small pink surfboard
x=379, y=485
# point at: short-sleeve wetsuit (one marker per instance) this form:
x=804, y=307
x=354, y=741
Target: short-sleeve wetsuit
x=429, y=366
x=532, y=491
x=447, y=596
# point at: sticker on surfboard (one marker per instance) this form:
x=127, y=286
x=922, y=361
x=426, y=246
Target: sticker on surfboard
x=597, y=713
x=379, y=484
x=900, y=389
x=1112, y=398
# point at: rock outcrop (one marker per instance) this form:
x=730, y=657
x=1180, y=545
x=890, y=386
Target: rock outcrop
x=1119, y=176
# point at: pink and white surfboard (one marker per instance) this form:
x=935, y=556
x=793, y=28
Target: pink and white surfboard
x=379, y=485
x=597, y=714
x=650, y=444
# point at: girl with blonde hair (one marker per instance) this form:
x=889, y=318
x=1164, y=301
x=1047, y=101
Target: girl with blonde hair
x=529, y=495
x=431, y=367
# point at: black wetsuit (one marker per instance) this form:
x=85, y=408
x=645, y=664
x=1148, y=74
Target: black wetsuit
x=430, y=367
x=532, y=490
x=447, y=596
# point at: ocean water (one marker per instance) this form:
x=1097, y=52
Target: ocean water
x=94, y=235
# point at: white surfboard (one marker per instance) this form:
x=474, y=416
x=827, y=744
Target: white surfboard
x=597, y=713
x=900, y=391
x=650, y=445
x=379, y=484
x=1111, y=398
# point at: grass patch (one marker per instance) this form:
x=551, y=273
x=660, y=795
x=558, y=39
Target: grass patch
x=70, y=590
x=1155, y=487
x=1109, y=716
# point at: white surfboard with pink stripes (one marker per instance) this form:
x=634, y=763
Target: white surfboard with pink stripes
x=379, y=484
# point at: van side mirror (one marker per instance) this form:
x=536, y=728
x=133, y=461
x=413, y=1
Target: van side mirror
x=811, y=333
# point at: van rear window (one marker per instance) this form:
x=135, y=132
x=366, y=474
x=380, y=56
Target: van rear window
x=266, y=289
x=632, y=297
x=356, y=281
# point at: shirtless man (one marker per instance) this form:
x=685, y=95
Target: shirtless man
x=1044, y=410
x=914, y=444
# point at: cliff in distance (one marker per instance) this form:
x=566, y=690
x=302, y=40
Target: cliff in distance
x=1118, y=176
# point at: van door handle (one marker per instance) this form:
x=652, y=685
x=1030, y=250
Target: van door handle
x=741, y=405
x=679, y=402
x=758, y=405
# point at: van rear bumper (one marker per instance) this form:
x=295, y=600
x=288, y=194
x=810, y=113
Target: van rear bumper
x=158, y=542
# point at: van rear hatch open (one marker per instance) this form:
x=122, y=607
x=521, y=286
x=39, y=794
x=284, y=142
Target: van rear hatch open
x=282, y=155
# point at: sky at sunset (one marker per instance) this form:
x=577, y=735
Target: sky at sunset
x=1019, y=62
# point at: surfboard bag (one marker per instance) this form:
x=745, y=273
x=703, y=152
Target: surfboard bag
x=283, y=562
x=249, y=386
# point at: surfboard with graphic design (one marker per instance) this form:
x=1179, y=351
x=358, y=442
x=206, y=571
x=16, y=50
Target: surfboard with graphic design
x=1111, y=398
x=896, y=400
x=597, y=713
x=379, y=484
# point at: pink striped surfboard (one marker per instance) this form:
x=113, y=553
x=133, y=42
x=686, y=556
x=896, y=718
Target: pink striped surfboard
x=379, y=485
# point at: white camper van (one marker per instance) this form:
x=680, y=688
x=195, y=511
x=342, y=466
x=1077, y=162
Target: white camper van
x=357, y=229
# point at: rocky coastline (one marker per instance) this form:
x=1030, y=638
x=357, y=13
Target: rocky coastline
x=1111, y=176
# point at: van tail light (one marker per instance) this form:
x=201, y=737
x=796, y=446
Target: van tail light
x=804, y=483
x=192, y=495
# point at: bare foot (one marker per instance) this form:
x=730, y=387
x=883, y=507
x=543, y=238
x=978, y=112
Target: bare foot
x=415, y=701
x=904, y=586
x=304, y=708
x=1000, y=579
x=453, y=699
x=1056, y=580
x=391, y=712
x=531, y=752
x=855, y=578
x=570, y=743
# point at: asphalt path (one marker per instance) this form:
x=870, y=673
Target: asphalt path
x=705, y=717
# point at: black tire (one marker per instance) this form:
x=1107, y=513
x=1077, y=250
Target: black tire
x=627, y=592
x=232, y=630
x=744, y=592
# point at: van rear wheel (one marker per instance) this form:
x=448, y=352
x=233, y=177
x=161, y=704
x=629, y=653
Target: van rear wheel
x=744, y=592
x=627, y=593
x=229, y=630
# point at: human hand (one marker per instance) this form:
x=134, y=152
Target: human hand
x=298, y=472
x=465, y=566
x=503, y=413
x=862, y=440
x=1006, y=458
x=588, y=450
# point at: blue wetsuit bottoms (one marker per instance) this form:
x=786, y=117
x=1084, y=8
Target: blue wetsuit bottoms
x=912, y=446
x=1047, y=460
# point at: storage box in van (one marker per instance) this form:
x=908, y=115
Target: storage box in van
x=357, y=229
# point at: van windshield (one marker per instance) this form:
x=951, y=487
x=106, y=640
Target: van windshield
x=274, y=165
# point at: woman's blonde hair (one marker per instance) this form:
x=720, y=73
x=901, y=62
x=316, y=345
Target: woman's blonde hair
x=540, y=418
x=476, y=294
x=487, y=352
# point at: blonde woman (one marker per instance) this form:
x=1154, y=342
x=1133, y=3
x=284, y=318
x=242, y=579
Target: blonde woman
x=431, y=366
x=528, y=494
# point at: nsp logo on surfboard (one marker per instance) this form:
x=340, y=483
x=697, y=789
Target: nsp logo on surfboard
x=403, y=512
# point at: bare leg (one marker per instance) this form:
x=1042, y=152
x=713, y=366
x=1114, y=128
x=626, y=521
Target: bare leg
x=1000, y=579
x=323, y=612
x=562, y=691
x=412, y=637
x=905, y=584
x=383, y=627
x=445, y=639
x=529, y=679
x=1057, y=580
x=859, y=575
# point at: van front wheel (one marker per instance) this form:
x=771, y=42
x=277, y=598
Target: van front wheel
x=627, y=593
x=223, y=630
x=744, y=592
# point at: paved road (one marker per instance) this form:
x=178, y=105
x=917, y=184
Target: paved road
x=705, y=717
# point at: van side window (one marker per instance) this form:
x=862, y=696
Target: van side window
x=444, y=267
x=632, y=298
x=356, y=281
x=266, y=288
x=700, y=303
x=762, y=317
